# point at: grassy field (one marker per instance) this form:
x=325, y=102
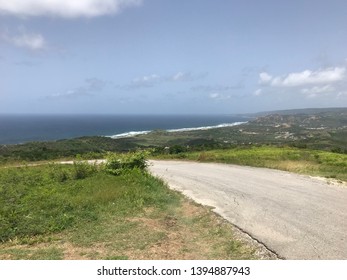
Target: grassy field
x=83, y=212
x=304, y=161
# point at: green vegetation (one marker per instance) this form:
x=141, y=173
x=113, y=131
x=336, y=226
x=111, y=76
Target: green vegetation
x=87, y=147
x=83, y=211
x=119, y=163
x=312, y=162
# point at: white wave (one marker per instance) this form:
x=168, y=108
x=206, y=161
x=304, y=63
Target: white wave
x=135, y=133
x=129, y=134
x=205, y=127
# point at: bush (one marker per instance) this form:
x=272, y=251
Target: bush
x=177, y=149
x=80, y=170
x=83, y=170
x=116, y=164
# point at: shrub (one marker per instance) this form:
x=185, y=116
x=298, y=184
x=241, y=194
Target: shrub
x=116, y=164
x=177, y=149
x=82, y=170
x=58, y=173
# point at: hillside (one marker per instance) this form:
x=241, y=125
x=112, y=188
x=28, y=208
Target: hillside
x=324, y=129
x=306, y=111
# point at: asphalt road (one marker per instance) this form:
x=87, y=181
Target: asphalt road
x=297, y=217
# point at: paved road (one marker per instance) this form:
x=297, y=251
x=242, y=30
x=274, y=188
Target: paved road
x=296, y=216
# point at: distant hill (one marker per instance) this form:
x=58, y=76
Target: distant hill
x=306, y=111
x=318, y=128
x=329, y=118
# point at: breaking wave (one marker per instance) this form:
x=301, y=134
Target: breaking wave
x=135, y=133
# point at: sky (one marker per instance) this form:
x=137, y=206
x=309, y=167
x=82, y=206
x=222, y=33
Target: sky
x=171, y=56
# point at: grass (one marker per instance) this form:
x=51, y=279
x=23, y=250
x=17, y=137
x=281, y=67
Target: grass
x=82, y=212
x=305, y=161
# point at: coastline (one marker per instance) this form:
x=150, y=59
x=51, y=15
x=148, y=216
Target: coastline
x=135, y=133
x=24, y=129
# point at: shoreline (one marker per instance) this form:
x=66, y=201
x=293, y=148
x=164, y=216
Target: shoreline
x=20, y=129
x=136, y=133
x=131, y=134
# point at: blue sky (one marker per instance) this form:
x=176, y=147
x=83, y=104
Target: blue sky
x=171, y=56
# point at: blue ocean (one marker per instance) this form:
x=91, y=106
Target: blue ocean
x=15, y=129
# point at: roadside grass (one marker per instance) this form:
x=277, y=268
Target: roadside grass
x=82, y=212
x=304, y=161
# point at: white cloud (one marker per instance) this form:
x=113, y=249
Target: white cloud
x=306, y=77
x=145, y=81
x=154, y=79
x=342, y=95
x=264, y=77
x=186, y=77
x=178, y=76
x=150, y=78
x=218, y=96
x=214, y=95
x=32, y=41
x=218, y=88
x=181, y=76
x=258, y=92
x=90, y=87
x=65, y=8
x=318, y=89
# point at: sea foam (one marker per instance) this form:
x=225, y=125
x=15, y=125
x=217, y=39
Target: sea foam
x=135, y=133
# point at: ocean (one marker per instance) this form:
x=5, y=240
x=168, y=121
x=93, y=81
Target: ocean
x=16, y=129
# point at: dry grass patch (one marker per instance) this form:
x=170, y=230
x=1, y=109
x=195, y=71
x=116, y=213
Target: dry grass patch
x=294, y=166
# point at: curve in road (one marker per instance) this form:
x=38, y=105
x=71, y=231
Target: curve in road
x=296, y=216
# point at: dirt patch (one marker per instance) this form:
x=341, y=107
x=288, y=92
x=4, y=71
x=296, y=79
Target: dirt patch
x=197, y=233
